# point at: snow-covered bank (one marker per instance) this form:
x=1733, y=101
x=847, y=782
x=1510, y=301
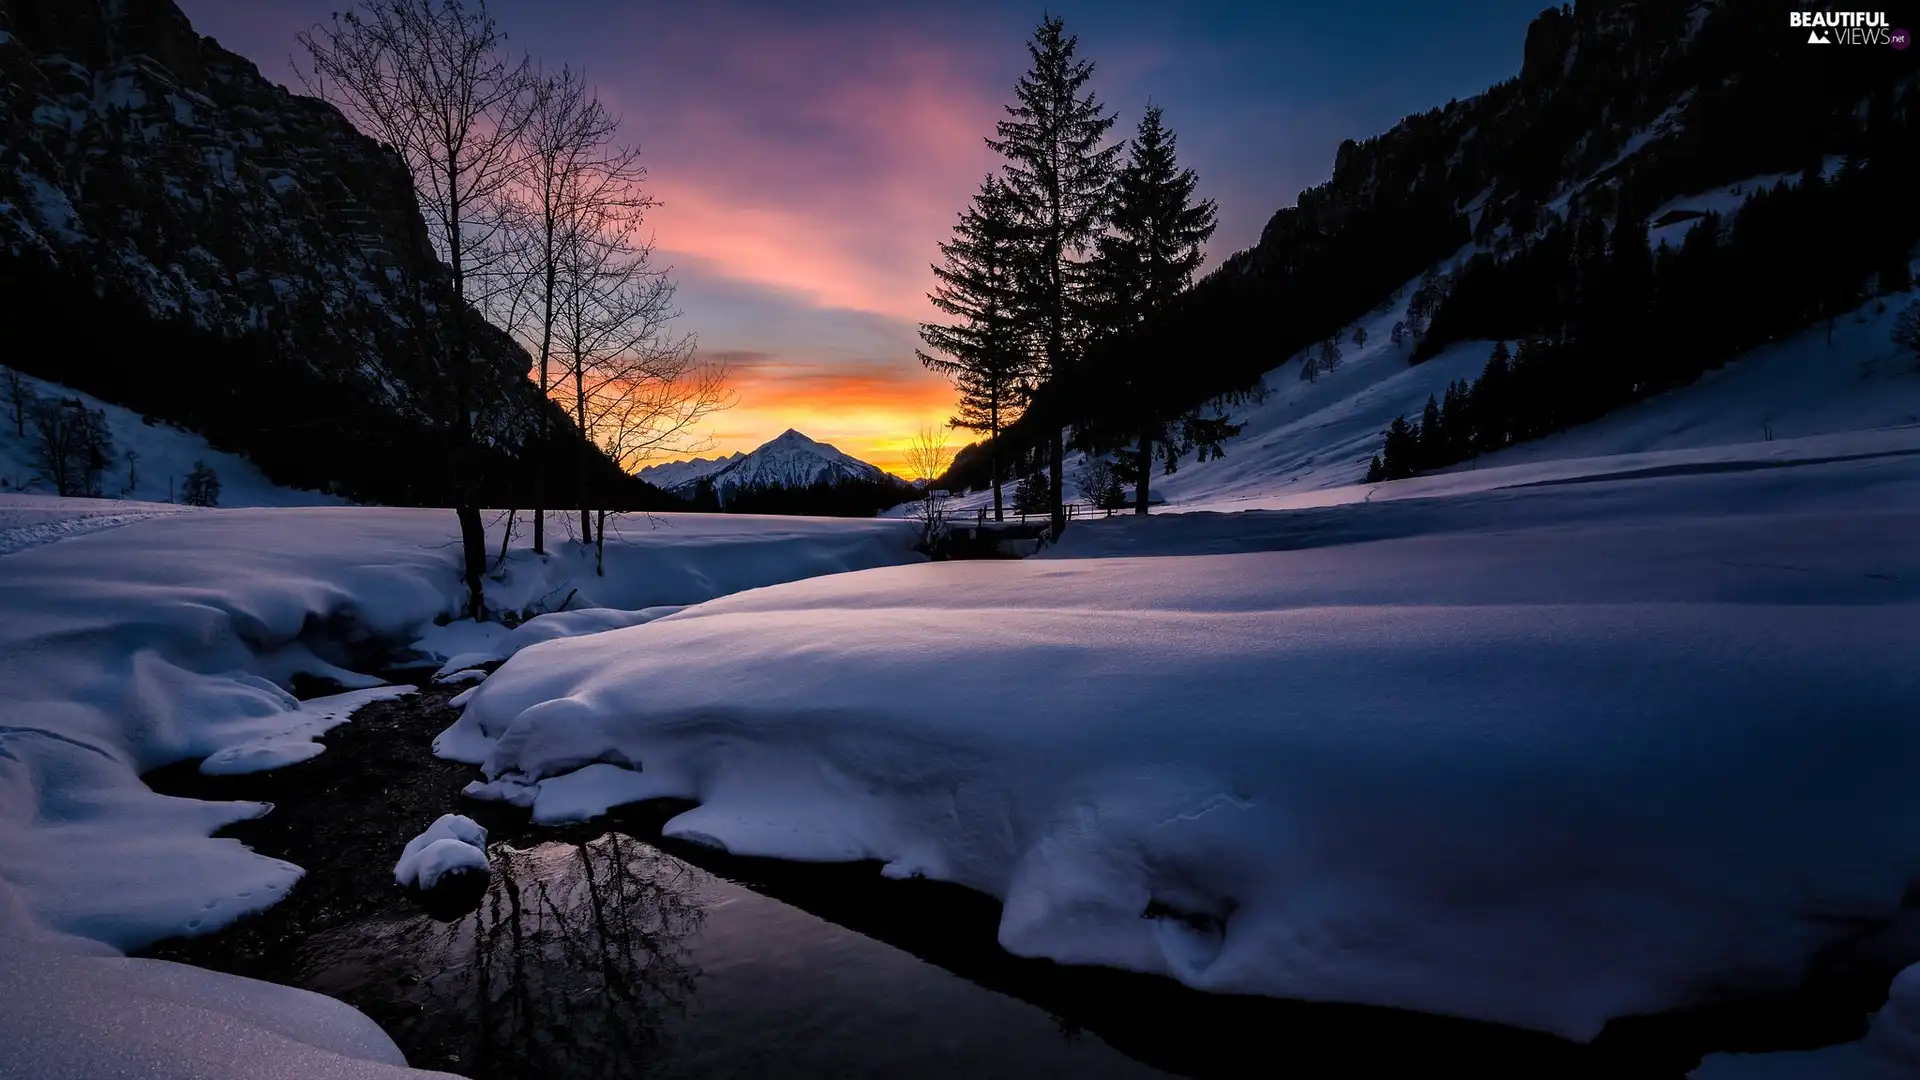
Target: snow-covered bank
x=171, y=636
x=1544, y=755
x=71, y=1017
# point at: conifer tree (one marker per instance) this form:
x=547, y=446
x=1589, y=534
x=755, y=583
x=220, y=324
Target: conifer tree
x=1906, y=330
x=1432, y=446
x=1057, y=171
x=1453, y=423
x=1035, y=495
x=1329, y=355
x=1155, y=241
x=1489, y=401
x=987, y=349
x=1397, y=455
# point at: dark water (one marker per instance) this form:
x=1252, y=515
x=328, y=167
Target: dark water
x=611, y=958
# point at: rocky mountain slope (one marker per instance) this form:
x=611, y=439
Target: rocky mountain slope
x=1519, y=213
x=211, y=248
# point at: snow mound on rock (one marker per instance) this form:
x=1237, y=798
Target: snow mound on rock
x=453, y=844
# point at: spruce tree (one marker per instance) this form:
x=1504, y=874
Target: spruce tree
x=1154, y=243
x=986, y=350
x=1035, y=495
x=1433, y=437
x=1489, y=401
x=1402, y=445
x=1057, y=173
x=1454, y=423
x=1329, y=356
x=203, y=486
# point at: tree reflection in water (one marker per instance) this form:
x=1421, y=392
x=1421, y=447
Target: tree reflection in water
x=573, y=964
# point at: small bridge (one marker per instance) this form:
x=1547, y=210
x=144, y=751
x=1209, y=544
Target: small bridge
x=982, y=517
x=974, y=534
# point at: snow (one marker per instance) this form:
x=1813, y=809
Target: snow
x=1725, y=201
x=1794, y=388
x=502, y=643
x=672, y=474
x=166, y=455
x=158, y=640
x=790, y=459
x=1541, y=753
x=1305, y=440
x=137, y=634
x=154, y=1019
x=453, y=844
x=288, y=738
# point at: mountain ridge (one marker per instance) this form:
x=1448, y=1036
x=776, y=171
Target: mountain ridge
x=789, y=460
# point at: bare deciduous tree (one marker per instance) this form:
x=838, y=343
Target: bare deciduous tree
x=580, y=179
x=636, y=388
x=927, y=460
x=71, y=446
x=433, y=80
x=19, y=396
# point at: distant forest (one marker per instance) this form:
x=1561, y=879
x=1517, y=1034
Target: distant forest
x=844, y=498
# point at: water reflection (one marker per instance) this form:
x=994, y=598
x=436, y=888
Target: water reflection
x=611, y=958
x=573, y=964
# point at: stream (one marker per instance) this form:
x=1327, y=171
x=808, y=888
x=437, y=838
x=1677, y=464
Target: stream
x=605, y=950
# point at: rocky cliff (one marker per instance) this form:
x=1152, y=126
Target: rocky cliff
x=264, y=266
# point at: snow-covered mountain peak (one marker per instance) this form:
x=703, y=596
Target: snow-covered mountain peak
x=789, y=459
x=669, y=475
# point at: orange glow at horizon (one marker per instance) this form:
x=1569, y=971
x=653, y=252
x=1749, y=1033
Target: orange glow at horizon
x=870, y=412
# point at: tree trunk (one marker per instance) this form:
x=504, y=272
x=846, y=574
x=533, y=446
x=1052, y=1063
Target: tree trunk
x=540, y=497
x=1146, y=470
x=546, y=419
x=473, y=535
x=1056, y=475
x=580, y=451
x=506, y=538
x=473, y=544
x=600, y=546
x=999, y=509
x=993, y=465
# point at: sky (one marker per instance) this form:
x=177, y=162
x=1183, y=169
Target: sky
x=809, y=157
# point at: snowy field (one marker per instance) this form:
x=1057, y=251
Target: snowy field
x=135, y=635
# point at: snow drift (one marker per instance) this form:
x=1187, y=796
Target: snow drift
x=168, y=636
x=136, y=635
x=1543, y=755
x=82, y=1018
